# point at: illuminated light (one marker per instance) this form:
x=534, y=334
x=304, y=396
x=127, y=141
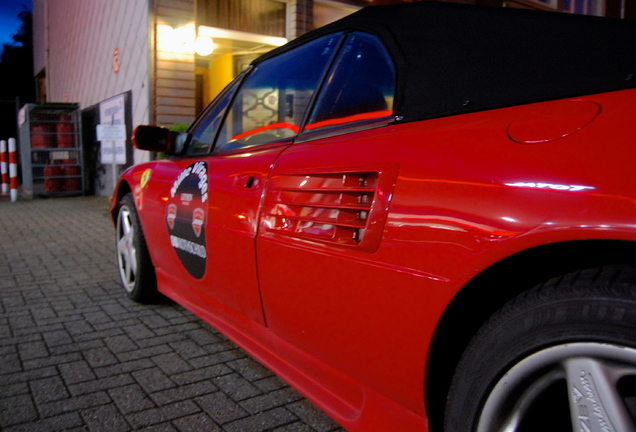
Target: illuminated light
x=242, y=217
x=163, y=30
x=213, y=32
x=179, y=40
x=204, y=45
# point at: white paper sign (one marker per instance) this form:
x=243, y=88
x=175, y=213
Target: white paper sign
x=108, y=132
x=113, y=128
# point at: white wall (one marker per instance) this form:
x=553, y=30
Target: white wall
x=75, y=41
x=82, y=36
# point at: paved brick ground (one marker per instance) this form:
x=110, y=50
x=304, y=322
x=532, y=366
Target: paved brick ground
x=76, y=354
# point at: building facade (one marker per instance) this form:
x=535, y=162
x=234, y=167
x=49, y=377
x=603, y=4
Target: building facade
x=163, y=61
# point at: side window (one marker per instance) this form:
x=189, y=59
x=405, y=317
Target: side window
x=273, y=99
x=206, y=128
x=361, y=85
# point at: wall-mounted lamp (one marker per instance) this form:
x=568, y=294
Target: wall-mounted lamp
x=204, y=45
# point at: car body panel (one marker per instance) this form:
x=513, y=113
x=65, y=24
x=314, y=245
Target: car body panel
x=451, y=210
x=234, y=185
x=333, y=256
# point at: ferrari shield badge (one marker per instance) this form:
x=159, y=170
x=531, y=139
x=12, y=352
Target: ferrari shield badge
x=145, y=177
x=186, y=215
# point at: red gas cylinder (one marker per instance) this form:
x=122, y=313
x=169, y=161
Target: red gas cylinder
x=71, y=171
x=52, y=180
x=65, y=136
x=40, y=137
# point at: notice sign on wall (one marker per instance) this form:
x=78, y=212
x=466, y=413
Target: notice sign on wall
x=112, y=131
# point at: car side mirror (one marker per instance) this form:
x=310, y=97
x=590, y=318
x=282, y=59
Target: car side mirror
x=159, y=139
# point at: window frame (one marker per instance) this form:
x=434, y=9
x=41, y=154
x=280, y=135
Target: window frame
x=340, y=38
x=597, y=7
x=233, y=87
x=231, y=20
x=354, y=125
x=304, y=134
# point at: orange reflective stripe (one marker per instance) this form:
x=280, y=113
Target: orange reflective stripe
x=279, y=125
x=356, y=117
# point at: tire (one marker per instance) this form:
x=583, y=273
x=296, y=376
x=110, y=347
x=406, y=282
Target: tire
x=135, y=266
x=558, y=358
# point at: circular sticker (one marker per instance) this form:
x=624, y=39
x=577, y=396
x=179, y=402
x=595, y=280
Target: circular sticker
x=186, y=215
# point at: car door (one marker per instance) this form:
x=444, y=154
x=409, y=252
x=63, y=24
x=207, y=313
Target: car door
x=214, y=192
x=329, y=284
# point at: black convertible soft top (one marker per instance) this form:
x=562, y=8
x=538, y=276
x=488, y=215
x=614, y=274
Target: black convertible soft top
x=454, y=58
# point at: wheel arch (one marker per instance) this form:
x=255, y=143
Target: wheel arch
x=501, y=282
x=123, y=188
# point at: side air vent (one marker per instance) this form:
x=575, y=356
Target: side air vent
x=334, y=208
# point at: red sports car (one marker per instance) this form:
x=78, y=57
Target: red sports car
x=422, y=216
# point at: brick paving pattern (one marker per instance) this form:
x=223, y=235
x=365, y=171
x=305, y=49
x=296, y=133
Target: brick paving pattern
x=76, y=354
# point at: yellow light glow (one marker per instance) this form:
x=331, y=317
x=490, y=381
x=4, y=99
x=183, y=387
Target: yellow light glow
x=204, y=45
x=241, y=36
x=179, y=40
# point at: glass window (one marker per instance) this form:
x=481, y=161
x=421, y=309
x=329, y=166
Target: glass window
x=585, y=7
x=273, y=99
x=254, y=16
x=325, y=13
x=205, y=129
x=361, y=85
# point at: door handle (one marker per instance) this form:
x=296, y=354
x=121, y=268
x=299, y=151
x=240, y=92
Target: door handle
x=249, y=181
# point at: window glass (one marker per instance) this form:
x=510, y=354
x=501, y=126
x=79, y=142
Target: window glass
x=206, y=128
x=254, y=16
x=273, y=99
x=361, y=85
x=585, y=7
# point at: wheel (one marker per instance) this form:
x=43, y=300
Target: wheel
x=559, y=358
x=135, y=266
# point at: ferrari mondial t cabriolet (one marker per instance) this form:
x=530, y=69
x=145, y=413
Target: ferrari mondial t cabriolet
x=422, y=217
